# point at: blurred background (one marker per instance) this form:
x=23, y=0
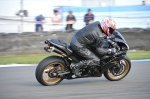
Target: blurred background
x=16, y=16
x=22, y=33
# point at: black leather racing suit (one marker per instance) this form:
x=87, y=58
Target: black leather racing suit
x=87, y=36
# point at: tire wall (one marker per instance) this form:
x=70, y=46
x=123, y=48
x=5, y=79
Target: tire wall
x=33, y=43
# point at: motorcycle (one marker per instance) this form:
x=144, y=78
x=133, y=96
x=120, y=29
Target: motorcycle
x=53, y=69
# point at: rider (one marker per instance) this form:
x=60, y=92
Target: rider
x=92, y=34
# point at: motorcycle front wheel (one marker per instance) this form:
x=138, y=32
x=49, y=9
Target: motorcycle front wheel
x=119, y=70
x=47, y=67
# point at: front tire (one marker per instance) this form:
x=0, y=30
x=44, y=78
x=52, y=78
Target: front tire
x=46, y=66
x=108, y=74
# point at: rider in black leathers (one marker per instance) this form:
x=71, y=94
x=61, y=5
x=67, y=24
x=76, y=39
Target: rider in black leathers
x=92, y=34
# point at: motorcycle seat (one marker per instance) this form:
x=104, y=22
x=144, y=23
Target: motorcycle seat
x=63, y=45
x=59, y=42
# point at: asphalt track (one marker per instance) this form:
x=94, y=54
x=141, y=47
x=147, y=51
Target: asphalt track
x=20, y=83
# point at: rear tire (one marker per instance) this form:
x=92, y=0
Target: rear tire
x=45, y=67
x=110, y=77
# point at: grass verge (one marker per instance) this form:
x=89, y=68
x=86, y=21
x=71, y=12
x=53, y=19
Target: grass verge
x=36, y=58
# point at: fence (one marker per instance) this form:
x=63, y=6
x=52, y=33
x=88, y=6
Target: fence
x=8, y=26
x=125, y=17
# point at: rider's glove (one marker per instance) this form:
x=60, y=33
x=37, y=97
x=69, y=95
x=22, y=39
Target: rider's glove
x=116, y=46
x=113, y=43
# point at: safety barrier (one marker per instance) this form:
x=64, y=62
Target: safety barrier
x=25, y=43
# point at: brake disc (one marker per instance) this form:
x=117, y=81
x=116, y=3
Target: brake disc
x=119, y=68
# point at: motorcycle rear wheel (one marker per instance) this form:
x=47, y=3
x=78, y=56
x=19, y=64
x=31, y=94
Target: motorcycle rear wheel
x=45, y=69
x=108, y=74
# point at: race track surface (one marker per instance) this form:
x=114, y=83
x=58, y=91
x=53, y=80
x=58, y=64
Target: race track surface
x=20, y=83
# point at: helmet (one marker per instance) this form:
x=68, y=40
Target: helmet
x=108, y=25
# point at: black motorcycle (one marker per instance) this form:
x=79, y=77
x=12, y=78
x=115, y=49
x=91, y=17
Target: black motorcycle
x=53, y=69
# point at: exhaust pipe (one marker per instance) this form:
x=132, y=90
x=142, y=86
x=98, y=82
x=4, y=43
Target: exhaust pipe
x=53, y=49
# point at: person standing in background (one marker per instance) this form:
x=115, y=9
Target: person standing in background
x=39, y=20
x=70, y=20
x=56, y=20
x=89, y=17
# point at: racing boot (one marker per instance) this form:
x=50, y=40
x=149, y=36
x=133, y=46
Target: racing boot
x=75, y=68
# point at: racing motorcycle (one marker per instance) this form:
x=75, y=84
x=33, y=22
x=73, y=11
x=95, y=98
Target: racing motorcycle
x=53, y=69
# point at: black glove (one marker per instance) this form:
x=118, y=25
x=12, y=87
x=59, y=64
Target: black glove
x=116, y=46
x=111, y=42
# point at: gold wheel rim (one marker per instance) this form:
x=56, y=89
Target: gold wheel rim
x=127, y=66
x=50, y=67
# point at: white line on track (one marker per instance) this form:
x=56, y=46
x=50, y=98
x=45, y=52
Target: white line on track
x=21, y=65
x=18, y=65
x=143, y=60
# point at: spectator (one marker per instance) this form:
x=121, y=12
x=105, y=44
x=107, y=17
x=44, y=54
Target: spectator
x=70, y=21
x=56, y=20
x=89, y=17
x=39, y=20
x=143, y=2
